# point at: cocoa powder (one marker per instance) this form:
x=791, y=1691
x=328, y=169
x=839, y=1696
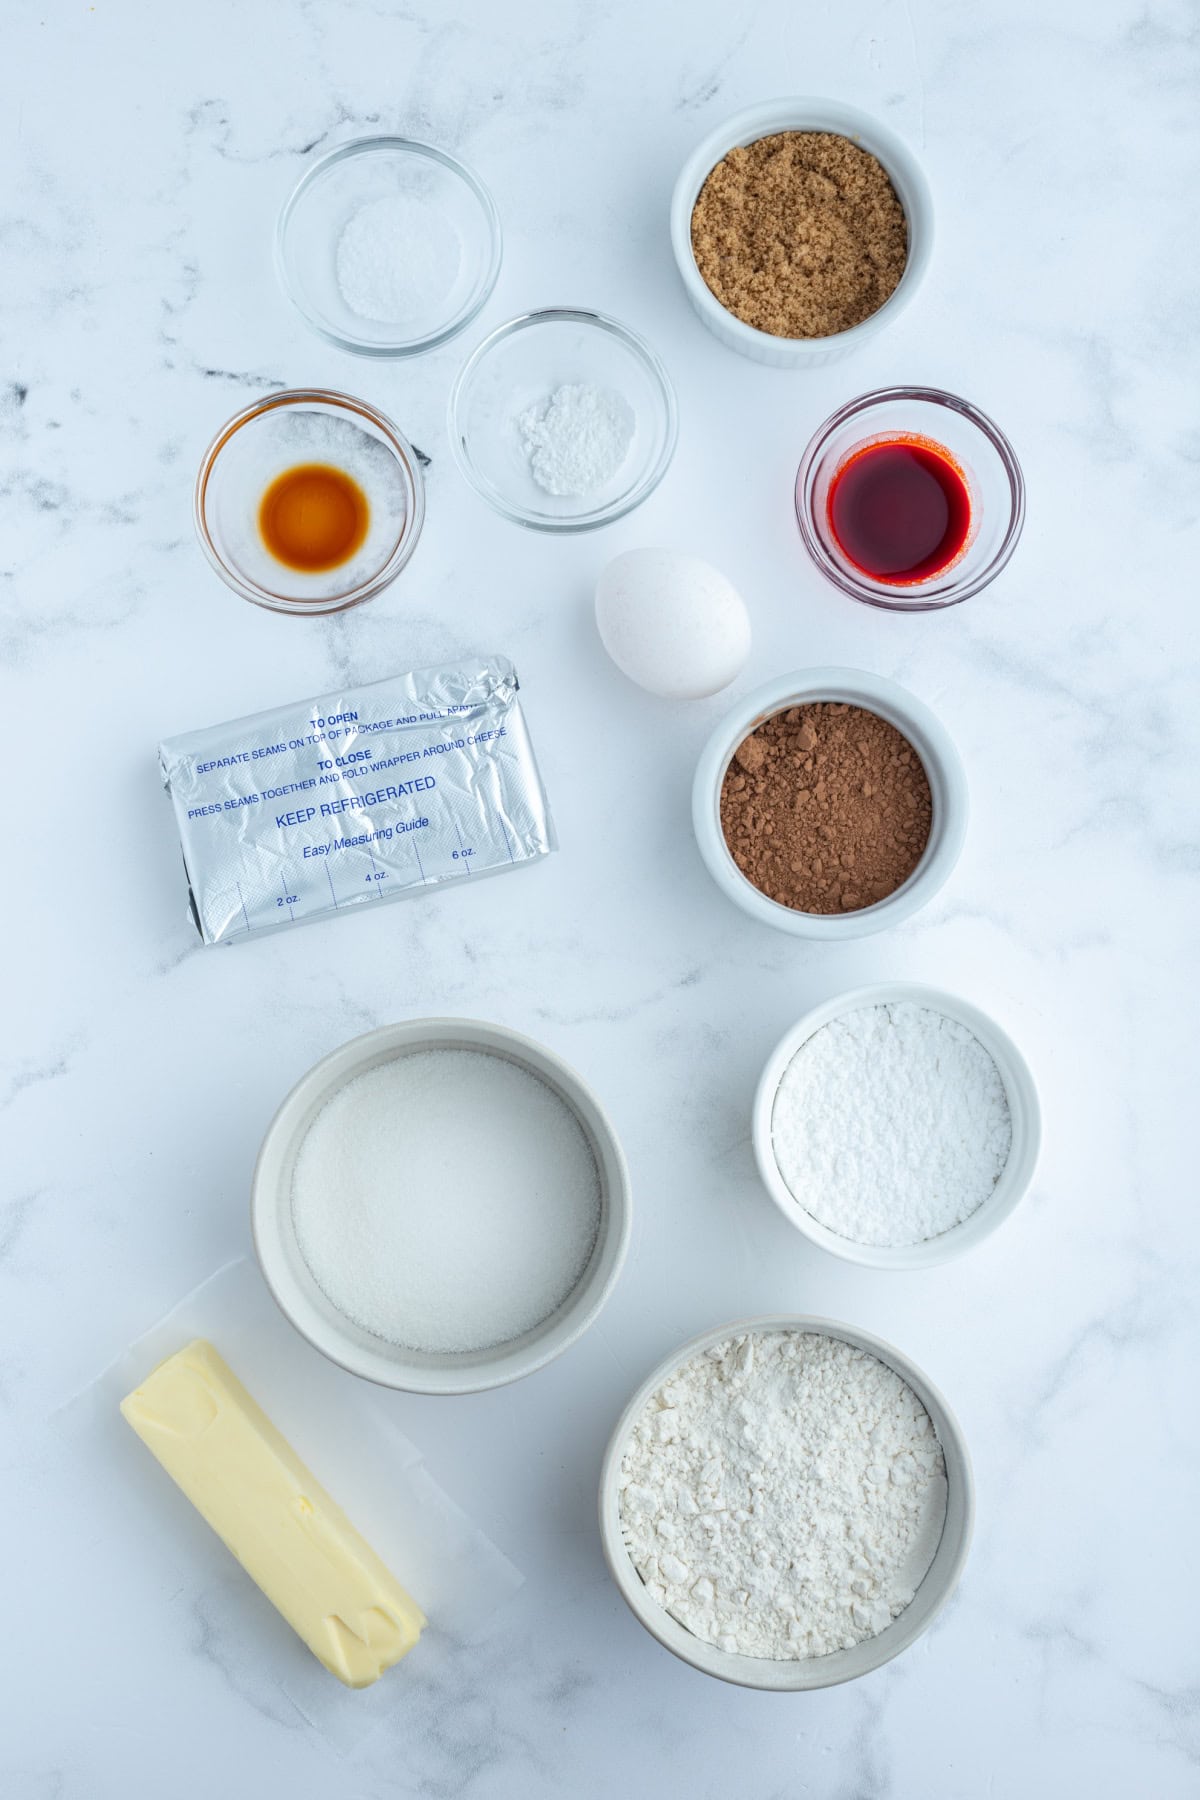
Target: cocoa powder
x=826, y=807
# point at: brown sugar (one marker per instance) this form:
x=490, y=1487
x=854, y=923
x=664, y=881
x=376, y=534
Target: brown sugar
x=800, y=234
x=826, y=807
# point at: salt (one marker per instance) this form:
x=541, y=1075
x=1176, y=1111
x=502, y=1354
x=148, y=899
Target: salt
x=397, y=260
x=891, y=1124
x=446, y=1200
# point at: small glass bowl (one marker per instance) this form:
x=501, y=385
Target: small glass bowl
x=304, y=425
x=521, y=366
x=976, y=444
x=329, y=196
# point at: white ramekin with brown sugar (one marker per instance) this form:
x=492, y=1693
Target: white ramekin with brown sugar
x=806, y=114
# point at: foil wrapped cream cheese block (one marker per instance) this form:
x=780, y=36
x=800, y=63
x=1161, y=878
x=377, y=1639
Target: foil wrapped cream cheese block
x=363, y=795
x=247, y=1482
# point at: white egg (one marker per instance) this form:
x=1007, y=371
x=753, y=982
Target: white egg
x=672, y=623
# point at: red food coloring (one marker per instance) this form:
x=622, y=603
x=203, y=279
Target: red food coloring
x=900, y=510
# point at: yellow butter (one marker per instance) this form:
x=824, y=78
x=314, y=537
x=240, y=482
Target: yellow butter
x=218, y=1445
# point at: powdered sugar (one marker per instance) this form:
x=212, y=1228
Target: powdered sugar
x=446, y=1200
x=783, y=1495
x=891, y=1124
x=577, y=440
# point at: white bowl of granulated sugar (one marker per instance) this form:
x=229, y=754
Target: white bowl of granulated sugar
x=896, y=1125
x=441, y=1206
x=786, y=1503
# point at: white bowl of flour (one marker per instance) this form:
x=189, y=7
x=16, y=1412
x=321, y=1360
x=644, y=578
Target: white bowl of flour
x=896, y=1126
x=441, y=1206
x=786, y=1503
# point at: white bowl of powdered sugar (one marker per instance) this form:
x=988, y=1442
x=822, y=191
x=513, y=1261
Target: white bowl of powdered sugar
x=786, y=1503
x=896, y=1125
x=441, y=1206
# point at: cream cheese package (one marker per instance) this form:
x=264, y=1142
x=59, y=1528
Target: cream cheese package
x=356, y=797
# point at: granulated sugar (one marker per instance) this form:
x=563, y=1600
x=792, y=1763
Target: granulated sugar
x=447, y=1200
x=783, y=1495
x=891, y=1124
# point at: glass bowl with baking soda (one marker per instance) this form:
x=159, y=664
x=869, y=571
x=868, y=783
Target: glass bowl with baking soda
x=387, y=247
x=309, y=501
x=563, y=420
x=910, y=499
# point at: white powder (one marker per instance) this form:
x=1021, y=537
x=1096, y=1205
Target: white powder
x=397, y=260
x=891, y=1124
x=577, y=440
x=783, y=1495
x=447, y=1200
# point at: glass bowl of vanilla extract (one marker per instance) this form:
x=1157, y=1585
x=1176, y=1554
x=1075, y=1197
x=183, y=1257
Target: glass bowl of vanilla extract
x=309, y=501
x=910, y=498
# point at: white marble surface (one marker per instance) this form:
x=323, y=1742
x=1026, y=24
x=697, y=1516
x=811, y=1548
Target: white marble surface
x=146, y=152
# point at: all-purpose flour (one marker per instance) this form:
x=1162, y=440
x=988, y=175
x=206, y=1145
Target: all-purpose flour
x=783, y=1495
x=891, y=1124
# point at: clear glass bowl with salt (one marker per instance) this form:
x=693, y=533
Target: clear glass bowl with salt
x=387, y=247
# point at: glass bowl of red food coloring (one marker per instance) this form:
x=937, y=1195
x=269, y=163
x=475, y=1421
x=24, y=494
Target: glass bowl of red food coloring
x=910, y=499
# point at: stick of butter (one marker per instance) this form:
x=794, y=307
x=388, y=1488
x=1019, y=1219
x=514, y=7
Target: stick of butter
x=218, y=1445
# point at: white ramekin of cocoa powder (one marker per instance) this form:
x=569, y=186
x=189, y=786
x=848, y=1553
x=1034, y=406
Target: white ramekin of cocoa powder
x=830, y=803
x=802, y=246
